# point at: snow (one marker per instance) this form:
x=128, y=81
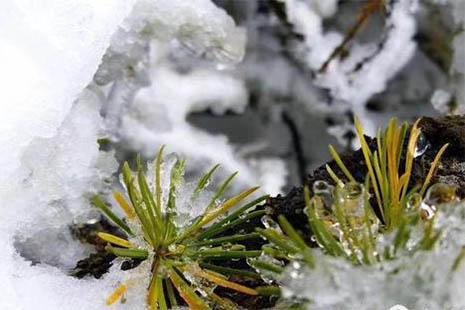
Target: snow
x=148, y=104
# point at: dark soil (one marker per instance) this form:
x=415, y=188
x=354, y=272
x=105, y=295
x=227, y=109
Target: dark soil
x=98, y=263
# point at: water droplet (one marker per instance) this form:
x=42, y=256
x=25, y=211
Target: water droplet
x=422, y=146
x=268, y=222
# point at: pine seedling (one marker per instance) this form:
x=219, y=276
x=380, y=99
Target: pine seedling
x=183, y=261
x=342, y=219
x=389, y=179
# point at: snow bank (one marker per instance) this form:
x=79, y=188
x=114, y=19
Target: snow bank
x=49, y=52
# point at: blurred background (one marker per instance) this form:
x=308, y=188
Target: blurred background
x=291, y=110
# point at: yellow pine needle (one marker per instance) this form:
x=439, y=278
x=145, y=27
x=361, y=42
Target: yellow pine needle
x=431, y=171
x=117, y=294
x=158, y=189
x=124, y=204
x=225, y=207
x=152, y=296
x=368, y=155
x=394, y=151
x=221, y=281
x=190, y=297
x=340, y=163
x=334, y=176
x=224, y=303
x=458, y=260
x=114, y=239
x=383, y=182
x=155, y=297
x=414, y=135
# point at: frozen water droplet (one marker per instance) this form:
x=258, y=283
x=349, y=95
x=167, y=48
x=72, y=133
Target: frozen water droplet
x=268, y=222
x=92, y=221
x=352, y=191
x=352, y=199
x=427, y=211
x=295, y=270
x=265, y=273
x=324, y=191
x=437, y=194
x=441, y=193
x=422, y=146
x=322, y=187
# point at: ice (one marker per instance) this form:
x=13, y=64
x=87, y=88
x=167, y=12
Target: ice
x=424, y=280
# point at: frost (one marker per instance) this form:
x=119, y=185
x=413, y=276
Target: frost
x=458, y=65
x=149, y=98
x=369, y=66
x=200, y=25
x=440, y=101
x=159, y=117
